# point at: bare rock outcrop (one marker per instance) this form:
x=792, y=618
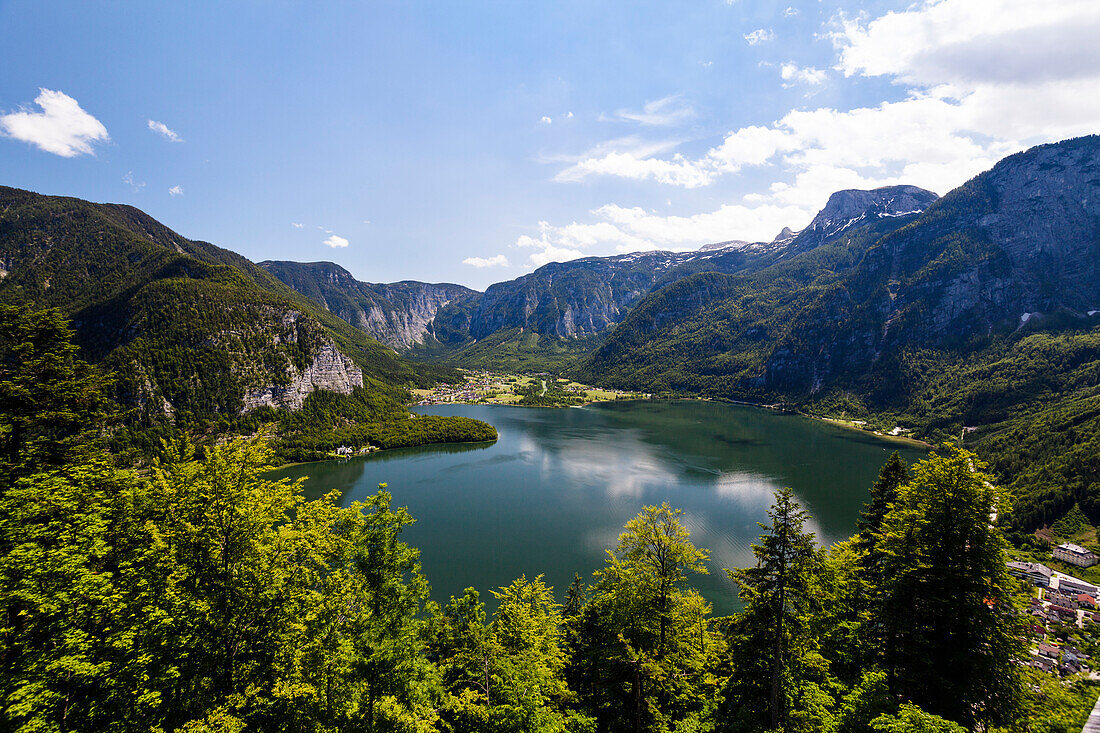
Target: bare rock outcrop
x=330, y=370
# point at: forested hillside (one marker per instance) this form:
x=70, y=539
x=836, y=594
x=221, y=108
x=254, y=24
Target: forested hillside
x=191, y=333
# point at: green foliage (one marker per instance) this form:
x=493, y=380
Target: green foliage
x=943, y=602
x=204, y=597
x=643, y=654
x=546, y=393
x=328, y=420
x=51, y=402
x=911, y=719
x=1069, y=525
x=512, y=350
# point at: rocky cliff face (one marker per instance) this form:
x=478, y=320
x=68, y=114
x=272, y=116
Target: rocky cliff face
x=1017, y=243
x=398, y=314
x=583, y=297
x=330, y=370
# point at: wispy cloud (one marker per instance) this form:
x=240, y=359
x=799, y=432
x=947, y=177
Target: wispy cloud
x=336, y=242
x=794, y=74
x=175, y=191
x=619, y=229
x=663, y=112
x=296, y=224
x=480, y=262
x=626, y=157
x=132, y=182
x=760, y=35
x=545, y=120
x=164, y=131
x=62, y=127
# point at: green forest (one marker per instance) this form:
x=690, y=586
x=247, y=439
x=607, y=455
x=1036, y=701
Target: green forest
x=198, y=595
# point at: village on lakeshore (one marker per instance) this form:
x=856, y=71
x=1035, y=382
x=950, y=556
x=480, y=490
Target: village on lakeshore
x=541, y=389
x=1060, y=605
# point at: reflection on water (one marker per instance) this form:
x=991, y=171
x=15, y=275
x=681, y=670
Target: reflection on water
x=555, y=490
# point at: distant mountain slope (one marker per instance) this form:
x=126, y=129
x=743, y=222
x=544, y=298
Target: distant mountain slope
x=980, y=312
x=550, y=317
x=1019, y=242
x=191, y=328
x=582, y=298
x=397, y=314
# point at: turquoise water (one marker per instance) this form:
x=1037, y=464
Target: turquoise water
x=555, y=490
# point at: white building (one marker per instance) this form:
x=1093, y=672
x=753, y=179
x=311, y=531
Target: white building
x=1075, y=555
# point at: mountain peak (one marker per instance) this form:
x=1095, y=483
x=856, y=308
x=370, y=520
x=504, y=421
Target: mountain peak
x=853, y=207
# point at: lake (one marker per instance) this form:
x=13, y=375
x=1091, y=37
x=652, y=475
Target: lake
x=555, y=490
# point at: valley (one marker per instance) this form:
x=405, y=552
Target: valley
x=562, y=367
x=971, y=317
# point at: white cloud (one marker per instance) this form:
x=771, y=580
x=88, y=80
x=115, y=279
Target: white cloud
x=175, y=191
x=494, y=261
x=620, y=229
x=676, y=172
x=335, y=242
x=62, y=127
x=974, y=42
x=568, y=115
x=663, y=112
x=790, y=12
x=296, y=225
x=760, y=35
x=162, y=129
x=790, y=72
x=132, y=182
x=982, y=79
x=957, y=119
x=545, y=120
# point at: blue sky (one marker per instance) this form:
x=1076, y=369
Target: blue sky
x=470, y=142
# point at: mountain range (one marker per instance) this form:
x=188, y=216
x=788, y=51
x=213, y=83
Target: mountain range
x=972, y=316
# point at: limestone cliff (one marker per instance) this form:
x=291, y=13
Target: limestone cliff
x=330, y=370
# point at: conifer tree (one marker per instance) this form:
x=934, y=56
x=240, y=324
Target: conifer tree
x=942, y=610
x=775, y=658
x=50, y=400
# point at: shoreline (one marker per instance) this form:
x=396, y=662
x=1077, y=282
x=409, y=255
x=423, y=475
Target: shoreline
x=776, y=407
x=915, y=442
x=281, y=466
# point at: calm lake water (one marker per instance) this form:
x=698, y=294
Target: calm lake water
x=555, y=490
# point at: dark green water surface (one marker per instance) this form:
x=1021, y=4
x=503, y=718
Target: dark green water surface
x=555, y=490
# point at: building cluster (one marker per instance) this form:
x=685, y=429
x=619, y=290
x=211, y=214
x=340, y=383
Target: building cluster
x=1063, y=600
x=475, y=388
